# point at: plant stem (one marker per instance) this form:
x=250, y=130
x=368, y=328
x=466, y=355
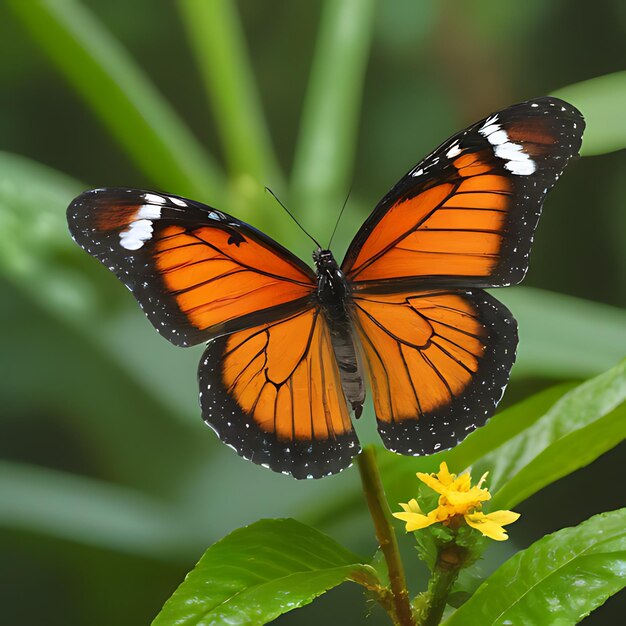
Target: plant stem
x=449, y=563
x=381, y=515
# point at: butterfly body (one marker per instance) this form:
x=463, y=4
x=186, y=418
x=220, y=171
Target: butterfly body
x=289, y=349
x=334, y=297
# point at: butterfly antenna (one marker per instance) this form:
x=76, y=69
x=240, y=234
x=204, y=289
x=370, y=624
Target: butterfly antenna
x=294, y=219
x=345, y=202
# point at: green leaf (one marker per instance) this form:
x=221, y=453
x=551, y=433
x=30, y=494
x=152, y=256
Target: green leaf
x=398, y=472
x=38, y=255
x=96, y=513
x=577, y=429
x=602, y=101
x=560, y=579
x=259, y=572
x=120, y=94
x=327, y=141
x=34, y=242
x=217, y=39
x=564, y=337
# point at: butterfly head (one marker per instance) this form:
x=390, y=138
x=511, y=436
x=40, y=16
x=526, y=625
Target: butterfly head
x=324, y=260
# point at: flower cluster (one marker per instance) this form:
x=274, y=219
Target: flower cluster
x=459, y=502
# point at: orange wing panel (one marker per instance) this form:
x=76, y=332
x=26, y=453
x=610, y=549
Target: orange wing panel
x=437, y=363
x=458, y=230
x=280, y=383
x=213, y=280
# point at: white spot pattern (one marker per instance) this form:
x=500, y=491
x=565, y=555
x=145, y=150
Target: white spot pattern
x=140, y=229
x=517, y=161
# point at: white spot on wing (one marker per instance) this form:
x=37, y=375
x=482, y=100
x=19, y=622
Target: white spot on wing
x=149, y=212
x=517, y=161
x=454, y=150
x=134, y=236
x=177, y=201
x=153, y=198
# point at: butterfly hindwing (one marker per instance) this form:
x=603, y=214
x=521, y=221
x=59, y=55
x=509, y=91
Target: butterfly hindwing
x=438, y=362
x=273, y=393
x=465, y=215
x=195, y=271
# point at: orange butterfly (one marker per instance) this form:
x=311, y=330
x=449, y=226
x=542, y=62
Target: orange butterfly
x=288, y=347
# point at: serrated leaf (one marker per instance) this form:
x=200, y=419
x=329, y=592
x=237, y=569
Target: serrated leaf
x=560, y=579
x=259, y=572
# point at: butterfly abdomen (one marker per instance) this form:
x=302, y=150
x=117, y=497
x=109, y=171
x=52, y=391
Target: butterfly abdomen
x=333, y=295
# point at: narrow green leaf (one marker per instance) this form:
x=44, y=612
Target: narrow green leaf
x=556, y=337
x=602, y=100
x=217, y=39
x=567, y=423
x=563, y=457
x=326, y=145
x=38, y=255
x=119, y=93
x=398, y=472
x=560, y=579
x=259, y=572
x=75, y=508
x=34, y=243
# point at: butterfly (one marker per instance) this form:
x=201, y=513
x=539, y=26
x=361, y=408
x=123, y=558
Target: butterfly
x=289, y=348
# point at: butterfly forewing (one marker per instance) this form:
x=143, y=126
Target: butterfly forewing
x=196, y=272
x=465, y=215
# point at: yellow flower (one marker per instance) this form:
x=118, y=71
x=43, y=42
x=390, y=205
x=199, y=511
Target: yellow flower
x=458, y=502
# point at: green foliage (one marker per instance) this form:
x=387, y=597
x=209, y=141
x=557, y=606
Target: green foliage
x=216, y=35
x=582, y=425
x=560, y=579
x=399, y=471
x=326, y=145
x=155, y=492
x=602, y=101
x=259, y=572
x=120, y=94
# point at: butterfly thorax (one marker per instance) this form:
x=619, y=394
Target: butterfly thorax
x=332, y=286
x=333, y=291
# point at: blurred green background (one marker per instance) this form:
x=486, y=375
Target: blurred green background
x=111, y=487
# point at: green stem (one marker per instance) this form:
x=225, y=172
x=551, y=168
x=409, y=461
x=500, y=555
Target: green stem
x=449, y=563
x=381, y=515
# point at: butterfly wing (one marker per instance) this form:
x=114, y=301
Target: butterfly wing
x=439, y=349
x=465, y=215
x=196, y=272
x=438, y=362
x=273, y=393
x=269, y=381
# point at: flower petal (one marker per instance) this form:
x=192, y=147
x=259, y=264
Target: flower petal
x=433, y=483
x=487, y=527
x=411, y=506
x=414, y=521
x=503, y=517
x=444, y=475
x=470, y=498
x=462, y=483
